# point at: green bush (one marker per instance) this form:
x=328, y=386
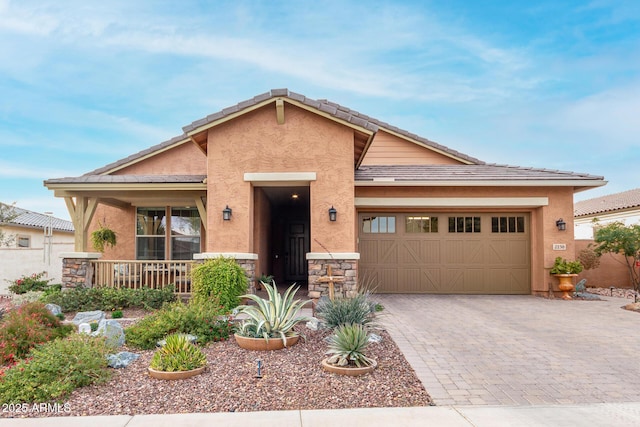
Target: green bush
x=55, y=369
x=178, y=354
x=358, y=309
x=117, y=314
x=25, y=327
x=221, y=278
x=108, y=299
x=205, y=320
x=34, y=282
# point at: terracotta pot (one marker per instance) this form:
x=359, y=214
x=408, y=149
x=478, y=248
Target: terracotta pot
x=348, y=370
x=261, y=344
x=566, y=284
x=177, y=375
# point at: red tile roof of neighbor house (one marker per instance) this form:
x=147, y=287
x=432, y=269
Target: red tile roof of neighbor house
x=610, y=203
x=474, y=170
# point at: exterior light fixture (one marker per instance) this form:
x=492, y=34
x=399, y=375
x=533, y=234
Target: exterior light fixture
x=561, y=224
x=333, y=213
x=226, y=213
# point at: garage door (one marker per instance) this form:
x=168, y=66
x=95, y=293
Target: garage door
x=446, y=253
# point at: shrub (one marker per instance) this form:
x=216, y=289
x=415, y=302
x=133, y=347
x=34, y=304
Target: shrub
x=348, y=344
x=178, y=354
x=358, y=309
x=221, y=278
x=117, y=314
x=107, y=299
x=55, y=369
x=27, y=297
x=34, y=282
x=274, y=317
x=25, y=327
x=206, y=320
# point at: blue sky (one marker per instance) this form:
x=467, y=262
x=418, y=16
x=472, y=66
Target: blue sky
x=552, y=84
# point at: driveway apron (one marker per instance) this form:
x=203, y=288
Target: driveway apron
x=517, y=350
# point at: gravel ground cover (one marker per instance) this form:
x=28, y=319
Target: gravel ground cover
x=291, y=379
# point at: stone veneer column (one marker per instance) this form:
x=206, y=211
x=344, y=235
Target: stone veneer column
x=77, y=271
x=246, y=260
x=343, y=265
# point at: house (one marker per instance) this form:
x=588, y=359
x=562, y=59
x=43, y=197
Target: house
x=35, y=243
x=288, y=185
x=623, y=207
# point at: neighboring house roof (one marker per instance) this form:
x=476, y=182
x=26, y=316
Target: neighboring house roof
x=30, y=219
x=464, y=173
x=625, y=200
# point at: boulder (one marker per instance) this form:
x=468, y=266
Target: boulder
x=112, y=330
x=121, y=360
x=84, y=328
x=88, y=317
x=313, y=324
x=375, y=338
x=54, y=309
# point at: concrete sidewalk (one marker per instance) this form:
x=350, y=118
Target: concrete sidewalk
x=598, y=415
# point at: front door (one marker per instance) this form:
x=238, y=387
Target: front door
x=296, y=247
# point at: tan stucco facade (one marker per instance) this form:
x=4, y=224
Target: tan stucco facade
x=243, y=158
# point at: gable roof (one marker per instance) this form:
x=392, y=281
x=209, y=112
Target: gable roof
x=319, y=106
x=30, y=219
x=625, y=200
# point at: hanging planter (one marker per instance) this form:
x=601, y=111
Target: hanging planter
x=103, y=236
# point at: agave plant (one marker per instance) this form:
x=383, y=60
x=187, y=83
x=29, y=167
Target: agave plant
x=348, y=344
x=178, y=354
x=274, y=317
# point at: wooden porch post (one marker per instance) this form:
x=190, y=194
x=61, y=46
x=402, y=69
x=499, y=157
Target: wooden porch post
x=81, y=211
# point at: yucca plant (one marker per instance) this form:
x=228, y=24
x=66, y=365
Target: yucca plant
x=274, y=317
x=340, y=311
x=178, y=354
x=348, y=344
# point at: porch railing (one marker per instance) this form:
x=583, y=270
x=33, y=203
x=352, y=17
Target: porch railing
x=138, y=274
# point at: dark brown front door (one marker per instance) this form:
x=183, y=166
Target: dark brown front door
x=296, y=247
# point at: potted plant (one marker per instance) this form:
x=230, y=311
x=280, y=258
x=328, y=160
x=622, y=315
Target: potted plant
x=347, y=348
x=264, y=278
x=270, y=322
x=103, y=236
x=177, y=359
x=565, y=271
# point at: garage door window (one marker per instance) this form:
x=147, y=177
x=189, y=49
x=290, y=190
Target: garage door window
x=421, y=224
x=379, y=224
x=507, y=224
x=464, y=224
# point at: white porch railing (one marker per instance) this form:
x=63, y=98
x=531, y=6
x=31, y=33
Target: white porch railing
x=138, y=274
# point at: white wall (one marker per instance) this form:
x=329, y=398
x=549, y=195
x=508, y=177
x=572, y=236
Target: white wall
x=583, y=227
x=16, y=262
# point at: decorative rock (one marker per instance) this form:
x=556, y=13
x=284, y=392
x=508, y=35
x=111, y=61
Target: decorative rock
x=122, y=359
x=84, y=328
x=375, y=338
x=88, y=317
x=313, y=324
x=112, y=330
x=54, y=309
x=192, y=339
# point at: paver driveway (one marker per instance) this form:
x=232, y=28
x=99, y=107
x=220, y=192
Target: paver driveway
x=518, y=350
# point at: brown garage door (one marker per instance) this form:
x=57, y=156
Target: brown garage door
x=446, y=253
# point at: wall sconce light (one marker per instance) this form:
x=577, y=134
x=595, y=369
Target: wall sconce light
x=226, y=213
x=561, y=224
x=333, y=213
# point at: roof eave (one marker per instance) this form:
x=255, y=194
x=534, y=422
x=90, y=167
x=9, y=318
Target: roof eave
x=579, y=185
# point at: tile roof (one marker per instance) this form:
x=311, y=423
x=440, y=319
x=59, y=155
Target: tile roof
x=483, y=172
x=129, y=179
x=609, y=203
x=32, y=219
x=323, y=105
